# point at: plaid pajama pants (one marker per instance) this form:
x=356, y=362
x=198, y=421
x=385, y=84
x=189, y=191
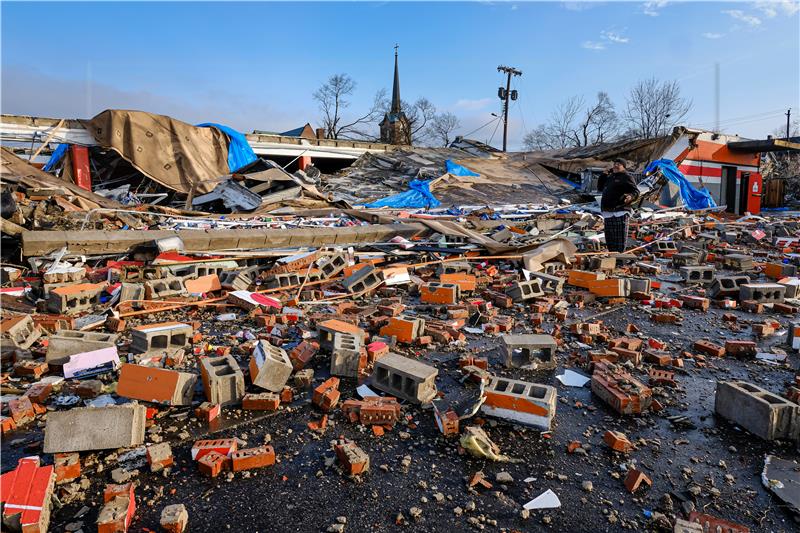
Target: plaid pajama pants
x=616, y=231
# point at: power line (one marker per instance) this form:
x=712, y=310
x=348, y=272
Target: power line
x=506, y=95
x=481, y=127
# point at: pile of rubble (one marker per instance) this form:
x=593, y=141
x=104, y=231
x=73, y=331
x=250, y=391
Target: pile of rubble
x=390, y=357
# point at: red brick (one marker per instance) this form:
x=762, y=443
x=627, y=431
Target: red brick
x=208, y=411
x=740, y=348
x=21, y=410
x=252, y=458
x=326, y=395
x=67, y=466
x=265, y=401
x=709, y=348
x=619, y=389
x=212, y=463
x=30, y=368
x=662, y=377
x=617, y=441
x=635, y=478
x=353, y=459
x=301, y=354
x=39, y=392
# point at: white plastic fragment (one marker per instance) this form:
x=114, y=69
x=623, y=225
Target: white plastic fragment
x=572, y=379
x=546, y=500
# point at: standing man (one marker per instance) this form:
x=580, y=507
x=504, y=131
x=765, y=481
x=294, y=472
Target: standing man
x=619, y=192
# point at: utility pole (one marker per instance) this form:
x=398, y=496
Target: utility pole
x=788, y=116
x=505, y=95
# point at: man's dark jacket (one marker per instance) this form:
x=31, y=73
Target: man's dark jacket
x=613, y=186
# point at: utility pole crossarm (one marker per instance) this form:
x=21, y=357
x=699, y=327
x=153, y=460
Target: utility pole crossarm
x=509, y=71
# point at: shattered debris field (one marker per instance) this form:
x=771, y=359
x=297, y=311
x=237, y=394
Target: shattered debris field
x=351, y=369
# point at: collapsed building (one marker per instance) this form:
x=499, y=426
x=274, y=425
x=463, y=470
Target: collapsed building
x=467, y=355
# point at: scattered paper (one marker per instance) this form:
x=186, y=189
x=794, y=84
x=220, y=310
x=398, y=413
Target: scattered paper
x=572, y=379
x=546, y=500
x=475, y=331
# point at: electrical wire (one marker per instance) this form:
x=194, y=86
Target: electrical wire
x=489, y=142
x=480, y=128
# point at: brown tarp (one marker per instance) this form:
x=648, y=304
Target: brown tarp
x=173, y=153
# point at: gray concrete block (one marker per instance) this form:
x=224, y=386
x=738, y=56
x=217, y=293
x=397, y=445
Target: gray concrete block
x=347, y=362
x=726, y=286
x=534, y=352
x=74, y=299
x=757, y=410
x=405, y=378
x=68, y=342
x=697, y=274
x=162, y=337
x=550, y=284
x=762, y=292
x=525, y=290
x=223, y=380
x=332, y=265
x=521, y=402
x=158, y=289
x=94, y=428
x=364, y=279
x=270, y=367
x=20, y=330
x=739, y=262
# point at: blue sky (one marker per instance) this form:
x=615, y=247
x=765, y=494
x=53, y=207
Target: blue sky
x=256, y=65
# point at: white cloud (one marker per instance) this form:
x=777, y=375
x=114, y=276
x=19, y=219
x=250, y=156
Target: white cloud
x=614, y=37
x=514, y=7
x=712, y=35
x=577, y=6
x=653, y=7
x=770, y=8
x=473, y=105
x=593, y=45
x=741, y=16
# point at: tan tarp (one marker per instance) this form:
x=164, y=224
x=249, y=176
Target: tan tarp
x=173, y=153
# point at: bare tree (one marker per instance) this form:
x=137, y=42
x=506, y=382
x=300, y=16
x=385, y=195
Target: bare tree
x=419, y=115
x=655, y=107
x=442, y=126
x=559, y=131
x=333, y=98
x=599, y=124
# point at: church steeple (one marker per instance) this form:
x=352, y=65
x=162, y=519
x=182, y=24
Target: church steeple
x=395, y=110
x=394, y=126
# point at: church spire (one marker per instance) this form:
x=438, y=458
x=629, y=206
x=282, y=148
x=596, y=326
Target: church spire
x=396, y=89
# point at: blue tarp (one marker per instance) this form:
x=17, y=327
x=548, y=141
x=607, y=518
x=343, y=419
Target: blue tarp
x=458, y=170
x=56, y=156
x=417, y=195
x=240, y=153
x=692, y=198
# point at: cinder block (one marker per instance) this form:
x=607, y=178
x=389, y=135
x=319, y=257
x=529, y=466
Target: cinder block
x=270, y=367
x=666, y=246
x=757, y=410
x=521, y=402
x=762, y=292
x=348, y=363
x=525, y=290
x=550, y=284
x=331, y=265
x=779, y=270
x=330, y=329
x=152, y=384
x=610, y=288
x=74, y=299
x=159, y=289
x=727, y=286
x=535, y=352
x=94, y=428
x=277, y=281
x=362, y=280
x=68, y=342
x=405, y=378
x=739, y=262
x=20, y=330
x=223, y=381
x=697, y=274
x=160, y=337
